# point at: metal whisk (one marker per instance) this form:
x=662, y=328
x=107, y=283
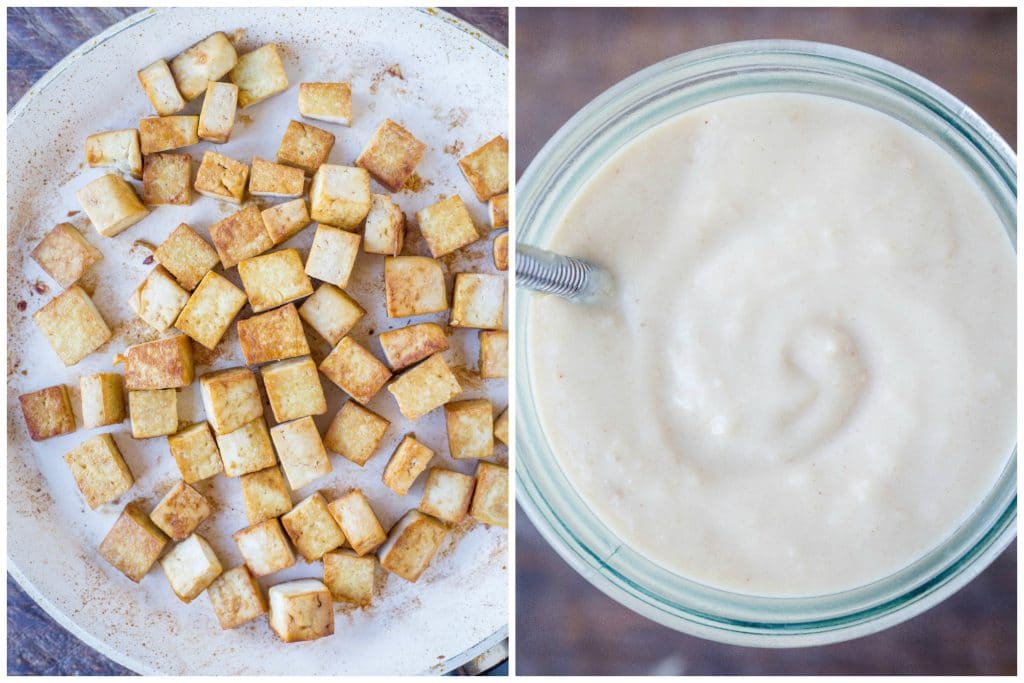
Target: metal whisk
x=564, y=276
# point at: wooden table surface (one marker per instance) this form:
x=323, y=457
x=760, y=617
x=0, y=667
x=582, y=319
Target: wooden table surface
x=38, y=38
x=564, y=58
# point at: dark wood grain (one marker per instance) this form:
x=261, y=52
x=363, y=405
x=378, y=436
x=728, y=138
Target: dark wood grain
x=564, y=58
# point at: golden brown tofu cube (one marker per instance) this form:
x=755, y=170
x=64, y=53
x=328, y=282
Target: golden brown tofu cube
x=409, y=345
x=425, y=387
x=153, y=413
x=493, y=354
x=195, y=452
x=267, y=179
x=65, y=254
x=246, y=449
x=447, y=495
x=47, y=412
x=158, y=300
x=210, y=310
x=384, y=232
x=222, y=177
x=447, y=226
x=99, y=470
x=119, y=149
x=231, y=398
x=411, y=545
x=501, y=427
x=190, y=567
x=331, y=102
x=301, y=610
x=355, y=370
x=349, y=577
x=264, y=547
x=111, y=204
x=392, y=155
x=102, y=399
x=181, y=511
x=217, y=119
x=490, y=500
x=240, y=236
x=340, y=196
x=265, y=495
x=166, y=178
x=301, y=452
x=331, y=312
x=208, y=60
x=500, y=249
x=470, y=427
x=161, y=133
x=259, y=74
x=358, y=522
x=73, y=325
x=158, y=82
x=274, y=335
x=479, y=301
x=305, y=146
x=312, y=528
x=486, y=169
x=186, y=256
x=413, y=285
x=161, y=364
x=236, y=597
x=294, y=389
x=332, y=255
x=284, y=221
x=355, y=432
x=407, y=463
x=134, y=543
x=274, y=279
x=498, y=209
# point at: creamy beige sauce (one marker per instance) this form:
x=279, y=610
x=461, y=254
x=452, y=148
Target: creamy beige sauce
x=806, y=379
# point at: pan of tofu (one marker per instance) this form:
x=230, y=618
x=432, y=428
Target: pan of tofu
x=257, y=351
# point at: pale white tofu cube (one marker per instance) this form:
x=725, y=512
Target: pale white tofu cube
x=102, y=399
x=236, y=597
x=301, y=450
x=500, y=251
x=332, y=255
x=190, y=567
x=411, y=545
x=501, y=427
x=407, y=463
x=490, y=499
x=349, y=577
x=312, y=528
x=208, y=60
x=158, y=82
x=331, y=313
x=65, y=254
x=358, y=522
x=340, y=196
x=447, y=495
x=498, y=210
x=119, y=149
x=181, y=511
x=409, y=345
x=425, y=387
x=159, y=299
x=231, y=398
x=493, y=354
x=294, y=389
x=479, y=301
x=210, y=310
x=246, y=449
x=274, y=279
x=99, y=470
x=384, y=232
x=470, y=426
x=111, y=204
x=259, y=74
x=283, y=221
x=73, y=325
x=301, y=610
x=264, y=547
x=217, y=118
x=355, y=370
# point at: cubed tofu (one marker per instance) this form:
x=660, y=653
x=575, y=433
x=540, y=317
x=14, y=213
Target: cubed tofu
x=392, y=155
x=331, y=102
x=222, y=177
x=259, y=74
x=186, y=256
x=264, y=547
x=161, y=364
x=191, y=566
x=65, y=254
x=384, y=232
x=447, y=226
x=166, y=179
x=208, y=60
x=265, y=495
x=210, y=310
x=181, y=511
x=479, y=301
x=499, y=211
x=409, y=345
x=236, y=597
x=358, y=522
x=195, y=452
x=102, y=399
x=349, y=577
x=355, y=370
x=111, y=204
x=331, y=312
x=231, y=398
x=425, y=387
x=246, y=449
x=470, y=426
x=490, y=499
x=158, y=82
x=413, y=285
x=99, y=469
x=407, y=463
x=312, y=528
x=240, y=236
x=47, y=412
x=355, y=432
x=118, y=149
x=153, y=413
x=501, y=427
x=500, y=251
x=274, y=279
x=217, y=118
x=159, y=299
x=284, y=221
x=305, y=146
x=134, y=543
x=294, y=389
x=267, y=179
x=493, y=354
x=340, y=196
x=486, y=169
x=301, y=610
x=301, y=451
x=447, y=495
x=332, y=255
x=161, y=133
x=274, y=335
x=73, y=325
x=411, y=545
